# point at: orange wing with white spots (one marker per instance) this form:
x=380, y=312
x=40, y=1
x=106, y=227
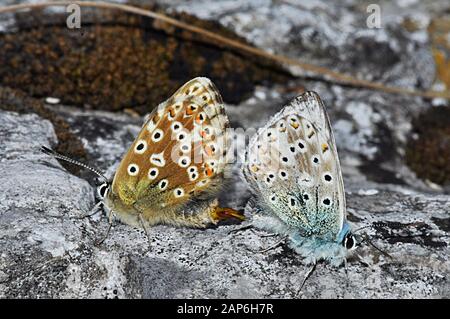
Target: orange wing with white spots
x=179, y=152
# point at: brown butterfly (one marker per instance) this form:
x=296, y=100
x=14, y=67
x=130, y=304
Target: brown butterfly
x=173, y=170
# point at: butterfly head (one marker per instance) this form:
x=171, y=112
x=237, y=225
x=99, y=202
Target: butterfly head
x=102, y=190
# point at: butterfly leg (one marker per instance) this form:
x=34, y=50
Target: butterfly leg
x=307, y=275
x=277, y=244
x=92, y=212
x=250, y=226
x=142, y=223
x=346, y=273
x=269, y=235
x=110, y=222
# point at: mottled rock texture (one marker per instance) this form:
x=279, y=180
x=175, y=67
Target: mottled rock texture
x=47, y=250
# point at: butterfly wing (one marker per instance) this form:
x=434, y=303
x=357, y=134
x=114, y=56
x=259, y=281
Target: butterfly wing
x=294, y=167
x=179, y=152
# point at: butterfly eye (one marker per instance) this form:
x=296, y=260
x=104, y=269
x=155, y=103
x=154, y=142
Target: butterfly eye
x=157, y=135
x=133, y=169
x=102, y=189
x=141, y=147
x=349, y=242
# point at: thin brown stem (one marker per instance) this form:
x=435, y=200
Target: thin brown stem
x=328, y=74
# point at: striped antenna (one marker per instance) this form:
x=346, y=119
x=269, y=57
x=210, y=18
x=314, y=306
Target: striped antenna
x=51, y=152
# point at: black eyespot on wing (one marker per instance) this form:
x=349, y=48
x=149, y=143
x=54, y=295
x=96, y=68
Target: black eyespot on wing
x=326, y=201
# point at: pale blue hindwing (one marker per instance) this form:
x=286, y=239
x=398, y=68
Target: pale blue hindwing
x=293, y=170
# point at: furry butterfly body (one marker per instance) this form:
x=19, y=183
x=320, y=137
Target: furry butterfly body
x=294, y=173
x=174, y=168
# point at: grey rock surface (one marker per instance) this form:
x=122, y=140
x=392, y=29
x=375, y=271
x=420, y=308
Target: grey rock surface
x=47, y=250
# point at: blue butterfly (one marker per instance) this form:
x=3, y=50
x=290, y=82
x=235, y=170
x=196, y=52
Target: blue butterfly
x=293, y=171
